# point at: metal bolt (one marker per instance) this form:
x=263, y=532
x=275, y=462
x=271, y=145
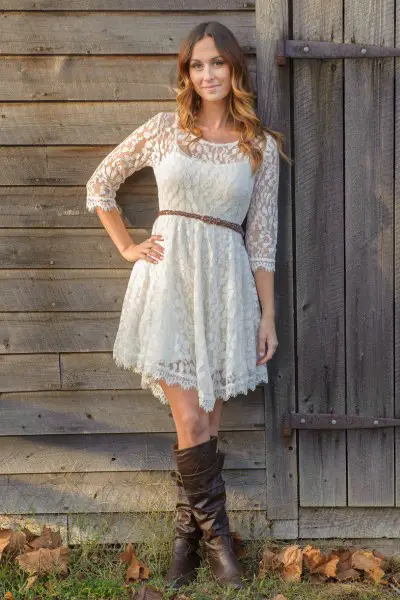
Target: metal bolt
x=306, y=49
x=363, y=51
x=333, y=421
x=302, y=420
x=376, y=422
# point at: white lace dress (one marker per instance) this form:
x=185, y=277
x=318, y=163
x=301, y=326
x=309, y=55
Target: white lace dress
x=192, y=319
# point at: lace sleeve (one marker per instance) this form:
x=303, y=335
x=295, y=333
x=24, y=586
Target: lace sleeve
x=133, y=153
x=262, y=216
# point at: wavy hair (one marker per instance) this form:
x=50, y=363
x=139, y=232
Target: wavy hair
x=241, y=99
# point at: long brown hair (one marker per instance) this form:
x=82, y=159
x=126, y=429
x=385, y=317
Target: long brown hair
x=241, y=100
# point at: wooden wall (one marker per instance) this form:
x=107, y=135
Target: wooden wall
x=78, y=437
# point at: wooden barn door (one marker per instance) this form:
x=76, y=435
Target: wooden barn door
x=346, y=254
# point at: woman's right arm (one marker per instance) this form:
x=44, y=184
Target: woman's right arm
x=114, y=225
x=133, y=153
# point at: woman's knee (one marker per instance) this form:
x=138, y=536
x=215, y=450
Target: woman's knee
x=195, y=423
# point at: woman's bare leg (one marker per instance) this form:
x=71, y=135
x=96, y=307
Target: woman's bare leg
x=215, y=417
x=191, y=421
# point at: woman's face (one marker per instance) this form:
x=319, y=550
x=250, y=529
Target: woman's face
x=209, y=71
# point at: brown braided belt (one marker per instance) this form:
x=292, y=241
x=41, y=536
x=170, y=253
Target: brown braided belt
x=204, y=218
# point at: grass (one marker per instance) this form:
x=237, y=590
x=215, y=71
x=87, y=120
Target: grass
x=96, y=573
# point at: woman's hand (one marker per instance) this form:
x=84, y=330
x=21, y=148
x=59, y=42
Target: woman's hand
x=148, y=250
x=266, y=339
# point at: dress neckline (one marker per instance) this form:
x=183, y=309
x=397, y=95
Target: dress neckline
x=202, y=140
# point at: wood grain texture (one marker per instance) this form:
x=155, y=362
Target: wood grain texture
x=98, y=411
x=117, y=452
x=320, y=285
x=369, y=252
x=52, y=206
x=137, y=491
x=127, y=5
x=24, y=332
x=64, y=248
x=77, y=123
x=273, y=101
x=58, y=165
x=35, y=290
x=35, y=372
x=361, y=522
x=108, y=33
x=92, y=78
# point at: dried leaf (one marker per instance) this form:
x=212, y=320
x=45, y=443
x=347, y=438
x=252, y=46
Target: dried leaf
x=136, y=570
x=292, y=559
x=370, y=564
x=348, y=574
x=269, y=562
x=5, y=536
x=44, y=560
x=12, y=542
x=48, y=539
x=315, y=562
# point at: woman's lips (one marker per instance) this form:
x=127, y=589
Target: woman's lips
x=211, y=87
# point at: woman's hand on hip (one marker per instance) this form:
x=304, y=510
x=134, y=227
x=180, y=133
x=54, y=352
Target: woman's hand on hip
x=148, y=250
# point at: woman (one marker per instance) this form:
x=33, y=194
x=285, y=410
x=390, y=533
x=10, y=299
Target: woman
x=191, y=322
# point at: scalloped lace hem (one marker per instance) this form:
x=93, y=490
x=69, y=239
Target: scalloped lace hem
x=266, y=264
x=207, y=403
x=107, y=204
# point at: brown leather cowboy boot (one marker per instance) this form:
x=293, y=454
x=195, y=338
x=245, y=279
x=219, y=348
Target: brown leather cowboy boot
x=187, y=534
x=185, y=557
x=200, y=467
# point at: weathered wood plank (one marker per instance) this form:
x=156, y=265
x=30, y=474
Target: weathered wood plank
x=369, y=253
x=36, y=78
x=57, y=332
x=35, y=372
x=127, y=5
x=384, y=545
x=111, y=411
x=51, y=206
x=135, y=527
x=272, y=23
x=64, y=248
x=77, y=123
x=95, y=371
x=58, y=165
x=117, y=452
x=374, y=522
x=139, y=491
x=65, y=290
x=396, y=233
x=318, y=133
x=109, y=33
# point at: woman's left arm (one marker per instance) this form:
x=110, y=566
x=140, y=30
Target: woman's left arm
x=260, y=241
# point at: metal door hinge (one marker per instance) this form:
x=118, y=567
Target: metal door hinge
x=292, y=421
x=329, y=50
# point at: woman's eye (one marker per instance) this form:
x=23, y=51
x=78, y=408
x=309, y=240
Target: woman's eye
x=216, y=62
